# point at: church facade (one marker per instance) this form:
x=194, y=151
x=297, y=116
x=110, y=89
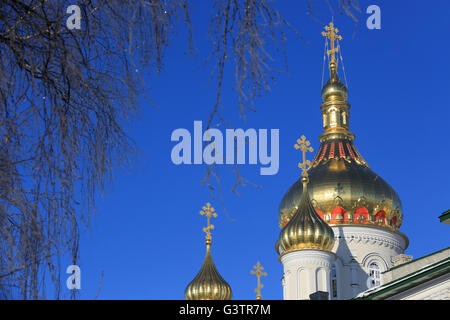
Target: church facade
x=363, y=210
x=340, y=221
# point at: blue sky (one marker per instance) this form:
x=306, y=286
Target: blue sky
x=147, y=232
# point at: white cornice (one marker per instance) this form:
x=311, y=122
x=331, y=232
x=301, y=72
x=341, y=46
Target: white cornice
x=374, y=236
x=309, y=257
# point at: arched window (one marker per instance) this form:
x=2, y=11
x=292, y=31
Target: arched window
x=333, y=117
x=343, y=116
x=374, y=275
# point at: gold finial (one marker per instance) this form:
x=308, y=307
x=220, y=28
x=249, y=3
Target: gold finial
x=258, y=272
x=209, y=212
x=332, y=35
x=304, y=146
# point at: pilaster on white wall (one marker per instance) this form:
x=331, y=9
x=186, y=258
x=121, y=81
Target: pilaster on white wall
x=354, y=276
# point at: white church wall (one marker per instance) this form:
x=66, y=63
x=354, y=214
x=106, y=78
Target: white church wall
x=357, y=247
x=305, y=272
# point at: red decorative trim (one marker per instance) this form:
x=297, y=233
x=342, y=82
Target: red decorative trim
x=351, y=151
x=361, y=211
x=323, y=152
x=341, y=150
x=331, y=155
x=340, y=211
x=320, y=213
x=380, y=215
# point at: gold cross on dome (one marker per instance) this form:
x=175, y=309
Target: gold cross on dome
x=209, y=212
x=332, y=35
x=258, y=272
x=304, y=146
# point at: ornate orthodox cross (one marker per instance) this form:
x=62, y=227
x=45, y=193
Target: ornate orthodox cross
x=304, y=146
x=258, y=272
x=209, y=212
x=332, y=35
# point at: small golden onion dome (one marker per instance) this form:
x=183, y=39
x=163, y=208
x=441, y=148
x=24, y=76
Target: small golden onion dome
x=306, y=229
x=334, y=89
x=208, y=284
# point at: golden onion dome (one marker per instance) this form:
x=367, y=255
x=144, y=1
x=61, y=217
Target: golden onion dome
x=342, y=188
x=208, y=284
x=334, y=89
x=305, y=230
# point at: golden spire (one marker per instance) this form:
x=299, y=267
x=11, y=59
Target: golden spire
x=335, y=109
x=209, y=212
x=258, y=272
x=332, y=36
x=208, y=284
x=339, y=177
x=306, y=229
x=304, y=146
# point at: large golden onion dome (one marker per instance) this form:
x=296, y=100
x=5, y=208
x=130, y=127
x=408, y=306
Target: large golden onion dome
x=305, y=230
x=208, y=284
x=343, y=189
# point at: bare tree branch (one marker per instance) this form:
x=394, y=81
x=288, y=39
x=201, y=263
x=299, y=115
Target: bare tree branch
x=66, y=97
